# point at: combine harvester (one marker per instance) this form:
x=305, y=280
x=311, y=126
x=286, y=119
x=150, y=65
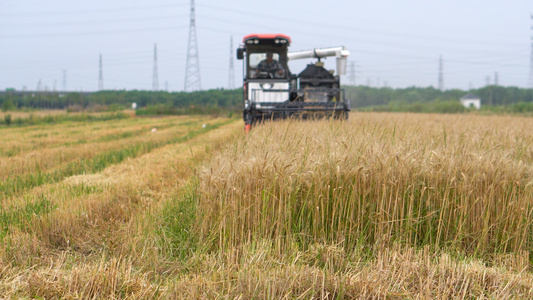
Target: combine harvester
x=271, y=91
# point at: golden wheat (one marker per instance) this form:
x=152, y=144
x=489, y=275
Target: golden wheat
x=446, y=183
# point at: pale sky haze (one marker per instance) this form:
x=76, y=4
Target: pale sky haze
x=393, y=43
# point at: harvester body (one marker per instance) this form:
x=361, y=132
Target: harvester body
x=271, y=91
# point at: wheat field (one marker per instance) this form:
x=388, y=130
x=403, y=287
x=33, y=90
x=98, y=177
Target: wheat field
x=382, y=206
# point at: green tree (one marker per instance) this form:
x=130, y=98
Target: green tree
x=7, y=105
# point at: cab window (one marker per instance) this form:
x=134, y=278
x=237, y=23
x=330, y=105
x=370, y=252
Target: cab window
x=256, y=58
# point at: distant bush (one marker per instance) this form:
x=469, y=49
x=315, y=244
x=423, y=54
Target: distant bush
x=7, y=119
x=97, y=108
x=448, y=107
x=521, y=107
x=115, y=107
x=74, y=108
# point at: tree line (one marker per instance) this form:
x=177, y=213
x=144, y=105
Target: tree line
x=81, y=101
x=414, y=99
x=364, y=96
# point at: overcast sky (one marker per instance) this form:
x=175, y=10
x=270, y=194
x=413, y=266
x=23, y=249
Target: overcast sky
x=393, y=43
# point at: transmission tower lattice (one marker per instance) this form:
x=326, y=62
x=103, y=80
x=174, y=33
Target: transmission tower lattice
x=352, y=73
x=231, y=79
x=441, y=75
x=155, y=79
x=100, y=76
x=531, y=62
x=64, y=80
x=192, y=70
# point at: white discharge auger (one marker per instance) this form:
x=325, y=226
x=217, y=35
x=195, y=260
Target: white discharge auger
x=341, y=54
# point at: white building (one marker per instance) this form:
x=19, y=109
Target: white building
x=470, y=100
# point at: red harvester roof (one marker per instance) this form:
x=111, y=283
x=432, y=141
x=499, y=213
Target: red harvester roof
x=266, y=36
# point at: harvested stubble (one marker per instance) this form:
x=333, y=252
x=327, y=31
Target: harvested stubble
x=460, y=183
x=40, y=113
x=255, y=271
x=98, y=239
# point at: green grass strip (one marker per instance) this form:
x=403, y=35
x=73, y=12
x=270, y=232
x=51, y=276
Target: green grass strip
x=177, y=221
x=21, y=217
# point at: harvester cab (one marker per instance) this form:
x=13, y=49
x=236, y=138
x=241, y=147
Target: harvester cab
x=271, y=91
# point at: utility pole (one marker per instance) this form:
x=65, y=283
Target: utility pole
x=39, y=86
x=231, y=79
x=64, y=80
x=531, y=66
x=495, y=78
x=441, y=75
x=192, y=70
x=490, y=89
x=155, y=79
x=100, y=76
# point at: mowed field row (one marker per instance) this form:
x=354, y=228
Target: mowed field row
x=393, y=206
x=60, y=234
x=50, y=153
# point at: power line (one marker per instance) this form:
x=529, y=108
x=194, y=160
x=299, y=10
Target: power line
x=332, y=26
x=135, y=30
x=86, y=11
x=91, y=21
